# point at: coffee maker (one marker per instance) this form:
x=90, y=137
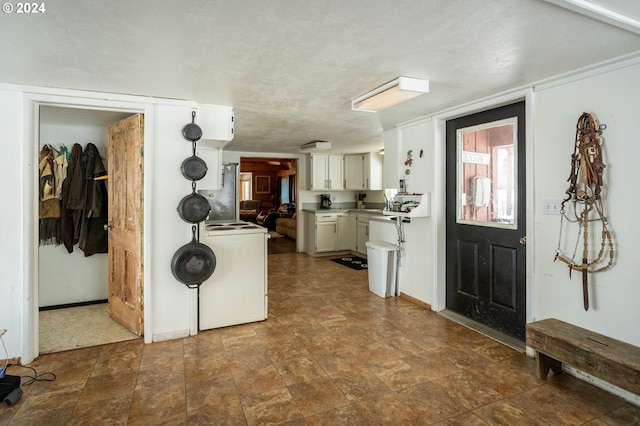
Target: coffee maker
x=325, y=201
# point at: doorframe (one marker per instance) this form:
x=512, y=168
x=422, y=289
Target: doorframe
x=71, y=99
x=439, y=196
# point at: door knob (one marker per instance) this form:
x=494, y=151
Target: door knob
x=107, y=226
x=523, y=240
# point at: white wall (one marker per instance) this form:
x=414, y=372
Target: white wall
x=417, y=274
x=173, y=309
x=13, y=247
x=613, y=98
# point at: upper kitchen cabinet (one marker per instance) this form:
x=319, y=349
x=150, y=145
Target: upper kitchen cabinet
x=216, y=123
x=327, y=172
x=363, y=171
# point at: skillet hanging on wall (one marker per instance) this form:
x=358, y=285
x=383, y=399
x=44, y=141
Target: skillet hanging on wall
x=194, y=167
x=193, y=263
x=192, y=131
x=194, y=207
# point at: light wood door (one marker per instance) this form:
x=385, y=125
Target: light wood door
x=126, y=206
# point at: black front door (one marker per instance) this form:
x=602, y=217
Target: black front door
x=486, y=218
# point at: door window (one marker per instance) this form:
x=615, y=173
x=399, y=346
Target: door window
x=487, y=174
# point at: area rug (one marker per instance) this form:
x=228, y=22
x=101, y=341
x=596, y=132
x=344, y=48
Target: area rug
x=353, y=262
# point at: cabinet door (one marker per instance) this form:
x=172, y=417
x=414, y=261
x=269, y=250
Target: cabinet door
x=216, y=122
x=372, y=171
x=346, y=232
x=362, y=236
x=319, y=164
x=353, y=173
x=336, y=172
x=326, y=236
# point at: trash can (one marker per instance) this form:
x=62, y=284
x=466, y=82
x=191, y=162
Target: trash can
x=381, y=260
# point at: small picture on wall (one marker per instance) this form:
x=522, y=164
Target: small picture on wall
x=263, y=184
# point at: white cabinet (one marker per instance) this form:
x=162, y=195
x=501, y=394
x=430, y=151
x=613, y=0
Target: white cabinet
x=353, y=172
x=212, y=157
x=326, y=232
x=362, y=233
x=333, y=231
x=216, y=123
x=327, y=172
x=363, y=171
x=372, y=168
x=346, y=231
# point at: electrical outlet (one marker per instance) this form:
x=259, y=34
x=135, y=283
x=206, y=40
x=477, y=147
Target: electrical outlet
x=552, y=207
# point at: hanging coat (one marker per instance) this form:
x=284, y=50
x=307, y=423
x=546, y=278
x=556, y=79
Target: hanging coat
x=48, y=204
x=93, y=235
x=73, y=199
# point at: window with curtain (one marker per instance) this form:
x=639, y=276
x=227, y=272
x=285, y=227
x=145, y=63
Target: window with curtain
x=284, y=190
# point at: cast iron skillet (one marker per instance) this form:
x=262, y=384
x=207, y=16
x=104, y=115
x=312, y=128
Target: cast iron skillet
x=194, y=207
x=193, y=263
x=194, y=168
x=192, y=131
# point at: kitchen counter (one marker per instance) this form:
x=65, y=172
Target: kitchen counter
x=347, y=210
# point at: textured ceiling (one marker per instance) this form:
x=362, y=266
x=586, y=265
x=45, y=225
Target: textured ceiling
x=290, y=68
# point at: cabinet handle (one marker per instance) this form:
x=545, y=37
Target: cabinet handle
x=367, y=183
x=367, y=233
x=329, y=183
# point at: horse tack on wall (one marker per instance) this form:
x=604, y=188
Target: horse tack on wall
x=584, y=197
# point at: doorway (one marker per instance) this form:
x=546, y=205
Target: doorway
x=73, y=286
x=486, y=218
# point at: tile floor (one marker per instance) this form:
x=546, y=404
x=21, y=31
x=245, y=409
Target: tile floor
x=331, y=353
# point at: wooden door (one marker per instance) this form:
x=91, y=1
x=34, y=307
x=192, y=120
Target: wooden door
x=486, y=218
x=126, y=206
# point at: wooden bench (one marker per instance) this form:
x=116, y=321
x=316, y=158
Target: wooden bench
x=610, y=360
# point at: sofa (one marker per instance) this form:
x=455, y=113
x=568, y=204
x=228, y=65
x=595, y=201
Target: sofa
x=249, y=210
x=287, y=226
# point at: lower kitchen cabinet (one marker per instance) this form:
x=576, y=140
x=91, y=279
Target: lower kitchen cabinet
x=362, y=233
x=336, y=232
x=326, y=236
x=346, y=231
x=321, y=232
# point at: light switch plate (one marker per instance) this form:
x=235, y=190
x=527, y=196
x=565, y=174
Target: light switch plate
x=552, y=207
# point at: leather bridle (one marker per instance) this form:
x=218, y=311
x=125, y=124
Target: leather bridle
x=585, y=193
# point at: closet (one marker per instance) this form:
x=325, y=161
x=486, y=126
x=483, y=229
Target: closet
x=70, y=279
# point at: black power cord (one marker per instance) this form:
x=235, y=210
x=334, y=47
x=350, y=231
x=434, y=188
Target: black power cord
x=11, y=396
x=47, y=376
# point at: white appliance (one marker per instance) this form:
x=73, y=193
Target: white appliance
x=236, y=293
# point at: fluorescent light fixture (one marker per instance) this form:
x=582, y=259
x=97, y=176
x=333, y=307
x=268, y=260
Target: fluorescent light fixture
x=600, y=13
x=315, y=145
x=392, y=93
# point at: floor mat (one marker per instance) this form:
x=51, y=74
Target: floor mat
x=353, y=262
